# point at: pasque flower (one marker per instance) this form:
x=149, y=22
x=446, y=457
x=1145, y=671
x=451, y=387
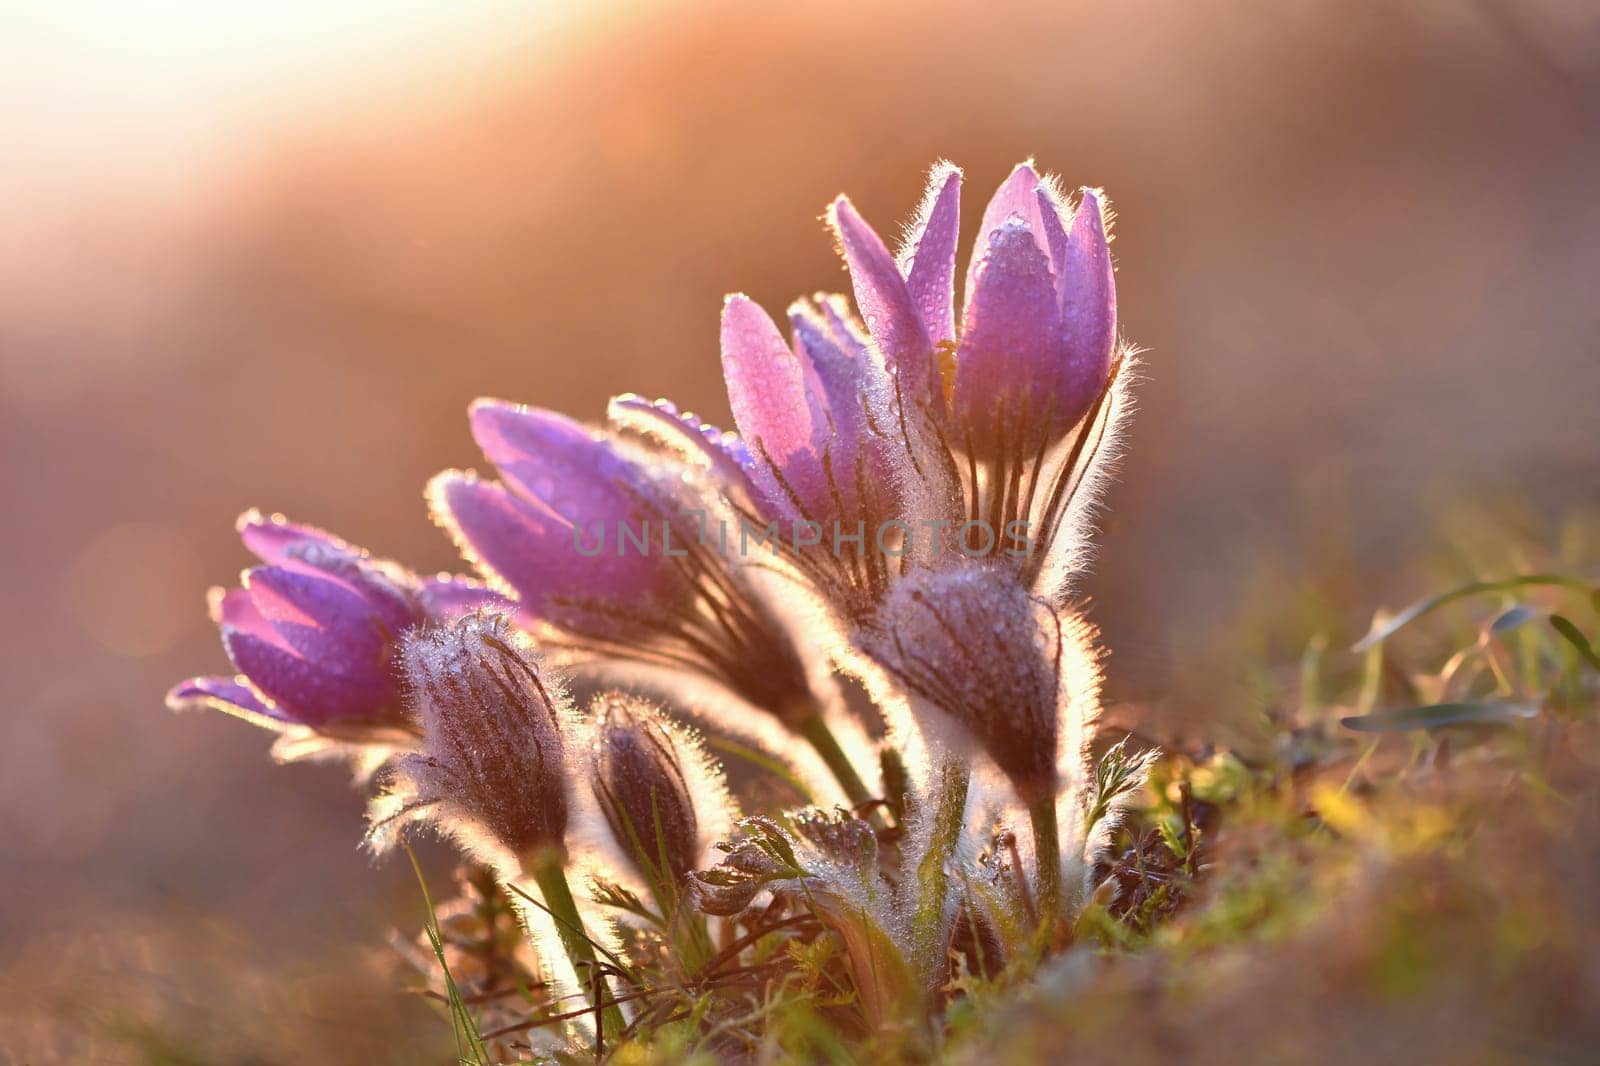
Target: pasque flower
x=315, y=629
x=1040, y=321
x=605, y=546
x=1033, y=358
x=924, y=462
x=821, y=465
x=956, y=429
x=659, y=793
x=571, y=528
x=1002, y=416
x=1038, y=326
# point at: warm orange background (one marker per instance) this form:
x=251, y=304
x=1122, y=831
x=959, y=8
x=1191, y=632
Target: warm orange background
x=266, y=259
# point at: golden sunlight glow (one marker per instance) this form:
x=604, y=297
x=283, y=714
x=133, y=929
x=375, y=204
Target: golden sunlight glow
x=177, y=80
x=181, y=41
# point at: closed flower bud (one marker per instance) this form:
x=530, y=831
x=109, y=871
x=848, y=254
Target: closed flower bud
x=492, y=763
x=976, y=646
x=642, y=784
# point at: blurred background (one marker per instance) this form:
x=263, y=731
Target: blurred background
x=264, y=256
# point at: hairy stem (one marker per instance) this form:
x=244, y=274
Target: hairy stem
x=821, y=738
x=1047, y=857
x=930, y=924
x=548, y=870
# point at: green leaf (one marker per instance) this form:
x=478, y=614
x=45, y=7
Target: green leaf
x=1436, y=715
x=1576, y=638
x=1381, y=633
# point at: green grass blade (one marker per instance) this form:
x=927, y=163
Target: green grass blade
x=1435, y=715
x=761, y=759
x=1575, y=637
x=468, y=1040
x=1476, y=588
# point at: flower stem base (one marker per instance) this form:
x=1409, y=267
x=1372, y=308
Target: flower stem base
x=930, y=924
x=549, y=873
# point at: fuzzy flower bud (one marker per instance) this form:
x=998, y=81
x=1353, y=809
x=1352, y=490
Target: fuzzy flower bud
x=643, y=788
x=974, y=645
x=493, y=761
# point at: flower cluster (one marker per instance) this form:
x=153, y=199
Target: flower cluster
x=904, y=505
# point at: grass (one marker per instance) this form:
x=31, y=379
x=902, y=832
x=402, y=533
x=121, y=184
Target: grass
x=470, y=1048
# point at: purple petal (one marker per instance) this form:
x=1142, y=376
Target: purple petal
x=832, y=346
x=837, y=368
x=316, y=695
x=272, y=537
x=235, y=608
x=553, y=460
x=1011, y=339
x=1055, y=234
x=532, y=550
x=322, y=620
x=885, y=303
x=228, y=695
x=505, y=537
x=386, y=587
x=776, y=412
x=851, y=382
x=845, y=331
x=932, y=274
x=1017, y=196
x=696, y=441
x=308, y=550
x=1088, y=295
x=447, y=597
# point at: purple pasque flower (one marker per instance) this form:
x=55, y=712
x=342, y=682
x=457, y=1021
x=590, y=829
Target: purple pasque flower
x=926, y=433
x=572, y=528
x=1040, y=321
x=821, y=465
x=606, y=548
x=313, y=632
x=1002, y=413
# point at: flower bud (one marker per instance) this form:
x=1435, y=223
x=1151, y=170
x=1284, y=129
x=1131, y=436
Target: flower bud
x=492, y=760
x=974, y=645
x=643, y=789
